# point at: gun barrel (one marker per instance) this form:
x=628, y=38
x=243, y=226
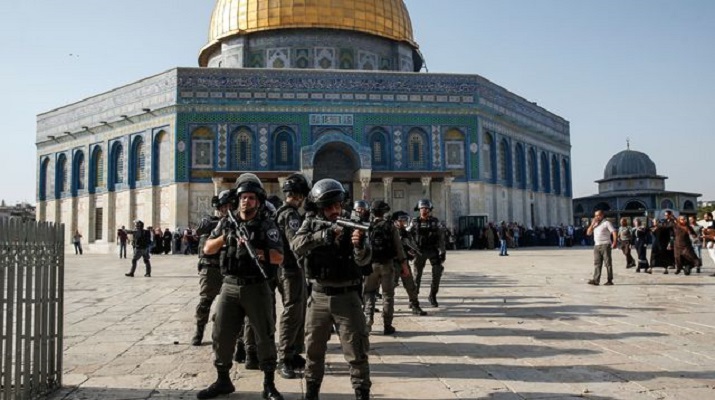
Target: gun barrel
x=243, y=234
x=346, y=223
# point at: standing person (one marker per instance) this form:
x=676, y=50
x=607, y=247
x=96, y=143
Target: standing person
x=504, y=235
x=334, y=260
x=604, y=238
x=402, y=270
x=386, y=248
x=661, y=254
x=77, y=241
x=210, y=277
x=291, y=279
x=516, y=232
x=122, y=237
x=166, y=240
x=141, y=242
x=625, y=237
x=430, y=241
x=640, y=235
x=560, y=232
x=245, y=290
x=685, y=257
x=697, y=238
x=708, y=235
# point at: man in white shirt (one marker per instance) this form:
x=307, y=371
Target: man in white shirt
x=605, y=239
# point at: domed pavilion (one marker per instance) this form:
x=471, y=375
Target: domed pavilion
x=332, y=88
x=631, y=187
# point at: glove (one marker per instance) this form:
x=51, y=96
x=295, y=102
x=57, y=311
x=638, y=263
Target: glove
x=442, y=257
x=221, y=228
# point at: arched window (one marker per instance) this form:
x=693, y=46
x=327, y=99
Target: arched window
x=454, y=149
x=556, y=174
x=161, y=169
x=519, y=167
x=96, y=174
x=378, y=144
x=416, y=149
x=117, y=166
x=545, y=173
x=688, y=205
x=61, y=170
x=603, y=206
x=533, y=171
x=504, y=162
x=283, y=148
x=242, y=149
x=138, y=171
x=666, y=204
x=579, y=209
x=634, y=205
x=45, y=181
x=79, y=173
x=565, y=174
x=487, y=153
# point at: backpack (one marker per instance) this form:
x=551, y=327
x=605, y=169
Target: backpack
x=383, y=248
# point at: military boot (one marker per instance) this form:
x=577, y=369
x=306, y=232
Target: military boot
x=312, y=391
x=222, y=386
x=433, y=299
x=417, y=310
x=251, y=361
x=286, y=369
x=362, y=394
x=269, y=386
x=198, y=335
x=298, y=362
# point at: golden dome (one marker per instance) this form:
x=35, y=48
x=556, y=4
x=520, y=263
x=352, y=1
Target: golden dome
x=385, y=18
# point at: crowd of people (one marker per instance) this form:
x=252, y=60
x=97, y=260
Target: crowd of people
x=517, y=235
x=330, y=261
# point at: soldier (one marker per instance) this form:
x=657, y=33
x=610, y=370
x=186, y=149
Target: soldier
x=361, y=211
x=247, y=243
x=386, y=248
x=291, y=279
x=141, y=241
x=210, y=277
x=430, y=240
x=334, y=258
x=402, y=270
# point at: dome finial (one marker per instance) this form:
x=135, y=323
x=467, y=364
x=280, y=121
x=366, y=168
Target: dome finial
x=628, y=143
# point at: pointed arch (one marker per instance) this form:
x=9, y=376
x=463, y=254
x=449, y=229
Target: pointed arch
x=566, y=173
x=533, y=170
x=61, y=178
x=556, y=174
x=283, y=148
x=504, y=159
x=45, y=181
x=488, y=157
x=161, y=159
x=137, y=162
x=417, y=149
x=378, y=140
x=79, y=172
x=241, y=149
x=96, y=169
x=116, y=166
x=545, y=173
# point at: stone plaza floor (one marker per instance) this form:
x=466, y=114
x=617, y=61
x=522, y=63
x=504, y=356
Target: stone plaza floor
x=525, y=326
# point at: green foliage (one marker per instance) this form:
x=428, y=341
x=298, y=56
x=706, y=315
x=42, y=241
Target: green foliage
x=703, y=210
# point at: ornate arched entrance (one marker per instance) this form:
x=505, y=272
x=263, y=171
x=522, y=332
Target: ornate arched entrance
x=338, y=161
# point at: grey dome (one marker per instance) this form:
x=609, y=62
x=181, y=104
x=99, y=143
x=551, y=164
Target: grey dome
x=629, y=163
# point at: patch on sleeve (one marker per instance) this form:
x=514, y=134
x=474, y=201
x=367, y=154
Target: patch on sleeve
x=273, y=235
x=294, y=224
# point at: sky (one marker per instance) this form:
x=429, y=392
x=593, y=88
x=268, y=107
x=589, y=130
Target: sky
x=642, y=70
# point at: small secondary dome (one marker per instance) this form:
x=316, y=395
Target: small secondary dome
x=629, y=163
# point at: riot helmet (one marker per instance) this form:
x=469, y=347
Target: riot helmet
x=424, y=203
x=400, y=216
x=361, y=204
x=249, y=183
x=379, y=206
x=296, y=183
x=326, y=192
x=226, y=197
x=138, y=224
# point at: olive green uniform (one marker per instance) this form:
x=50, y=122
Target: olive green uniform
x=333, y=267
x=430, y=239
x=210, y=278
x=408, y=282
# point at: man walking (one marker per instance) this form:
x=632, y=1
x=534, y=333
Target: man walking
x=430, y=239
x=141, y=243
x=605, y=238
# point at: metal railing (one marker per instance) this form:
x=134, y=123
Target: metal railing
x=31, y=308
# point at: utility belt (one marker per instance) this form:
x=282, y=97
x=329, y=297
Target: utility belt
x=243, y=281
x=334, y=291
x=210, y=262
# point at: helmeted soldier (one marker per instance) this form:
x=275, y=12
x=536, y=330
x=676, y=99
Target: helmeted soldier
x=361, y=211
x=291, y=279
x=386, y=249
x=210, y=277
x=247, y=243
x=141, y=242
x=334, y=258
x=402, y=271
x=430, y=240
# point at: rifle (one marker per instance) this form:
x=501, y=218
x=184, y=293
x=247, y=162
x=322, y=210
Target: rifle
x=344, y=223
x=409, y=243
x=245, y=237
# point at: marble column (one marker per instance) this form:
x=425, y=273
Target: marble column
x=365, y=187
x=217, y=184
x=448, y=201
x=426, y=182
x=387, y=188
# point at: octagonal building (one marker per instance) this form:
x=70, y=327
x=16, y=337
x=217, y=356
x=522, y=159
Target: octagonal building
x=332, y=88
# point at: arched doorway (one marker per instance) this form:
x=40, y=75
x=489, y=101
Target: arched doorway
x=337, y=161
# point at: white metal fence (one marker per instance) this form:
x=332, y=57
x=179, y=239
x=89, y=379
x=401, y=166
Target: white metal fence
x=31, y=308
